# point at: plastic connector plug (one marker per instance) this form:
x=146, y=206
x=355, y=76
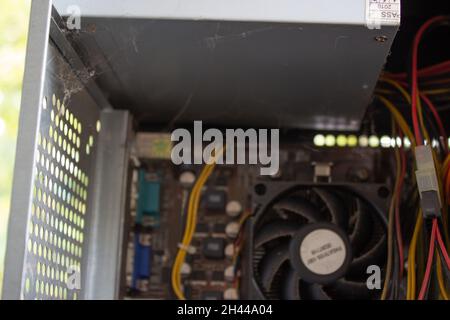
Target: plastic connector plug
x=427, y=182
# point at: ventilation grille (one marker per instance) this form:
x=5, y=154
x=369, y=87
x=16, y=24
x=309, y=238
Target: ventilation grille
x=57, y=223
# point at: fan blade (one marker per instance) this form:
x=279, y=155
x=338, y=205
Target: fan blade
x=345, y=289
x=272, y=262
x=338, y=214
x=291, y=289
x=315, y=292
x=272, y=231
x=372, y=257
x=361, y=235
x=301, y=207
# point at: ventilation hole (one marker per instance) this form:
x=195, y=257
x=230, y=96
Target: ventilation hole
x=56, y=226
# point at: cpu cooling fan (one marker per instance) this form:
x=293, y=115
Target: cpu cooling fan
x=316, y=242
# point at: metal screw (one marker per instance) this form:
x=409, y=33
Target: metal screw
x=381, y=39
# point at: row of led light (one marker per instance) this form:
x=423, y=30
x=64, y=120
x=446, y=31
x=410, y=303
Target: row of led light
x=364, y=141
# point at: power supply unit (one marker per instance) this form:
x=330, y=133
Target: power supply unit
x=271, y=64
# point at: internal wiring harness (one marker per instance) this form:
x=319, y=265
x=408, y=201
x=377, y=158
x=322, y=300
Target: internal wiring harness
x=432, y=177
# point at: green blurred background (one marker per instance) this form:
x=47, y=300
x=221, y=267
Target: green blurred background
x=14, y=15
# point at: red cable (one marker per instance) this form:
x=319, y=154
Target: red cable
x=434, y=111
x=446, y=181
x=415, y=89
x=437, y=118
x=443, y=249
x=436, y=81
x=435, y=114
x=430, y=71
x=448, y=186
x=435, y=70
x=426, y=277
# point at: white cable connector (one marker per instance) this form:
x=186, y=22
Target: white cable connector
x=427, y=181
x=188, y=249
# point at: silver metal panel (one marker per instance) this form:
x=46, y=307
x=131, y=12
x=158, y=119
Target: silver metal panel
x=57, y=240
x=109, y=206
x=304, y=11
x=51, y=205
x=32, y=94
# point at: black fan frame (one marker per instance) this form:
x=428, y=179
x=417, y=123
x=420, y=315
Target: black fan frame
x=266, y=193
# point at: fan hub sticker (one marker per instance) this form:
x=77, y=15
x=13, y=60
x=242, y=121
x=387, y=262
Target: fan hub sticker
x=382, y=13
x=323, y=251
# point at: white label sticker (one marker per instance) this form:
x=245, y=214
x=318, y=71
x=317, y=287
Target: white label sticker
x=323, y=251
x=382, y=12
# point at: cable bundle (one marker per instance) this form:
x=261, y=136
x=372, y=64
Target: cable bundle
x=418, y=136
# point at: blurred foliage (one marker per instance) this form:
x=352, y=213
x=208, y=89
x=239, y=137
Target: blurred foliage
x=14, y=15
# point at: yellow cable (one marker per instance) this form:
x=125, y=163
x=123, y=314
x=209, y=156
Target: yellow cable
x=191, y=222
x=384, y=91
x=391, y=219
x=401, y=122
x=436, y=92
x=244, y=218
x=440, y=277
x=398, y=86
x=195, y=195
x=411, y=277
x=176, y=277
x=435, y=156
x=446, y=163
x=241, y=223
x=411, y=290
x=407, y=97
x=425, y=133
